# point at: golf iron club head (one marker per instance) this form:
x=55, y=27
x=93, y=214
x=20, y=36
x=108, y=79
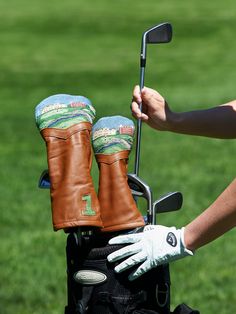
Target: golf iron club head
x=169, y=202
x=139, y=188
x=158, y=34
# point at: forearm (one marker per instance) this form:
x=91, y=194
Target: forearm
x=217, y=219
x=217, y=122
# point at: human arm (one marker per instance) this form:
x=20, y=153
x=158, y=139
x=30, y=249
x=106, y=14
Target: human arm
x=216, y=122
x=217, y=219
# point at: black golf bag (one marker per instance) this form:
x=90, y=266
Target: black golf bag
x=95, y=288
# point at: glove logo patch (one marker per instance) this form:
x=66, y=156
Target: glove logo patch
x=171, y=239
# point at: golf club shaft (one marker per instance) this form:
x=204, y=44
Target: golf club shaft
x=139, y=126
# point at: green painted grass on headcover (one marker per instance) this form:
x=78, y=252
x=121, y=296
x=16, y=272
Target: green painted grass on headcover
x=112, y=134
x=62, y=111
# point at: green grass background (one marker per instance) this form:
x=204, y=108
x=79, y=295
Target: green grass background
x=92, y=48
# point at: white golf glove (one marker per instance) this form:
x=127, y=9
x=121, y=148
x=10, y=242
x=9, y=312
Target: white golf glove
x=154, y=246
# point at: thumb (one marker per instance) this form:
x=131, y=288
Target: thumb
x=148, y=96
x=151, y=97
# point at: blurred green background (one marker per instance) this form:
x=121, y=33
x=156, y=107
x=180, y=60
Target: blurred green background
x=92, y=48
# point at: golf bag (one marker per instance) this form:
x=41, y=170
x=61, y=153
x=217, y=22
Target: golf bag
x=94, y=287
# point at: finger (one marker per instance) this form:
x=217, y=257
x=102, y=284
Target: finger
x=143, y=268
x=137, y=94
x=124, y=252
x=130, y=262
x=124, y=239
x=136, y=112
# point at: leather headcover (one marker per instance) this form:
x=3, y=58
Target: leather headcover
x=74, y=200
x=118, y=208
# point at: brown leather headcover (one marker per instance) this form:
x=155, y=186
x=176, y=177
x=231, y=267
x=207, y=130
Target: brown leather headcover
x=74, y=200
x=118, y=208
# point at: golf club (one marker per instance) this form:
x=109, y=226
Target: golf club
x=159, y=34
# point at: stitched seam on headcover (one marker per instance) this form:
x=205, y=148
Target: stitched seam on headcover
x=66, y=133
x=110, y=159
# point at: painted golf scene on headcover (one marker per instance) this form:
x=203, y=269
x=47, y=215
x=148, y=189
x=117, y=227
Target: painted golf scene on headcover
x=63, y=111
x=112, y=134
